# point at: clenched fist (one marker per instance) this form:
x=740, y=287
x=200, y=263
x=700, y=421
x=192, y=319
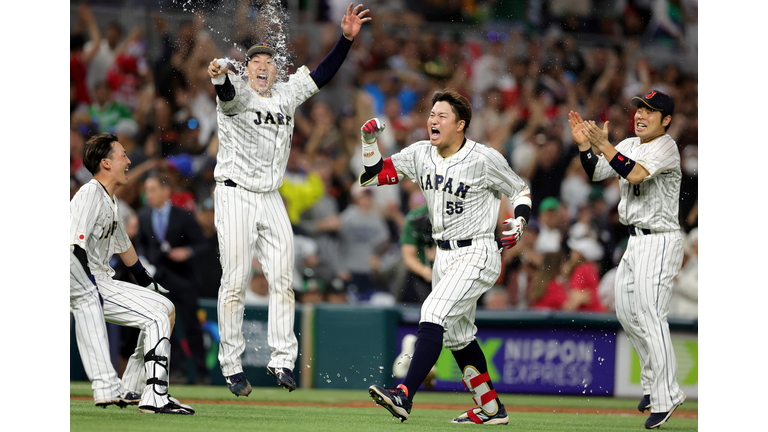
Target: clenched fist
x=372, y=129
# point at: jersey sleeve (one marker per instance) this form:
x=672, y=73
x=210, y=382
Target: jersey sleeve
x=405, y=160
x=500, y=177
x=242, y=96
x=661, y=156
x=83, y=214
x=122, y=243
x=300, y=87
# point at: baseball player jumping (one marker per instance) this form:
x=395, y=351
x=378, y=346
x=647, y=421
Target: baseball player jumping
x=649, y=170
x=255, y=129
x=96, y=234
x=463, y=182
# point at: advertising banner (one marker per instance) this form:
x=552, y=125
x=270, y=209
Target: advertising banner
x=538, y=361
x=686, y=346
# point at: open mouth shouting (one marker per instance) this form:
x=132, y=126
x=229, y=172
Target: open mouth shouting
x=434, y=134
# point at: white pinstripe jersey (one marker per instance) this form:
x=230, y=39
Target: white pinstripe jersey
x=95, y=225
x=463, y=191
x=654, y=203
x=255, y=132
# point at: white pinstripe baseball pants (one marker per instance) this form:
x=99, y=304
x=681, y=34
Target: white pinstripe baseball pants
x=130, y=305
x=643, y=293
x=247, y=222
x=91, y=335
x=459, y=277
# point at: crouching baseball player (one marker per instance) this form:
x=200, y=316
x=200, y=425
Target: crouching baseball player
x=96, y=234
x=463, y=182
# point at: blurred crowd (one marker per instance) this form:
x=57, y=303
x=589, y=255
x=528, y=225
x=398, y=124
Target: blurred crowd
x=530, y=67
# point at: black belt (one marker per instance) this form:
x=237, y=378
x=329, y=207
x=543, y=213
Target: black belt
x=635, y=231
x=446, y=244
x=230, y=183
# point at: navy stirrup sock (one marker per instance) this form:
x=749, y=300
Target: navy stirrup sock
x=429, y=343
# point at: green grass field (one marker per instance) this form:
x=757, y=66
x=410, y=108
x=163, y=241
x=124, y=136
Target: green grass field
x=317, y=410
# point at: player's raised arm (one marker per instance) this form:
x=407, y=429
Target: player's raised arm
x=378, y=171
x=217, y=70
x=350, y=27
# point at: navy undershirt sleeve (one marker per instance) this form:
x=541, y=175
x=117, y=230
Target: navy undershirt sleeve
x=226, y=91
x=327, y=68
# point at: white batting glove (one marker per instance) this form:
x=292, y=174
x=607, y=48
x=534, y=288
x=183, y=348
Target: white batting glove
x=157, y=287
x=516, y=228
x=372, y=129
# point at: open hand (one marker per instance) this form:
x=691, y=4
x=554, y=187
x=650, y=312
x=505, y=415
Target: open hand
x=577, y=130
x=598, y=137
x=353, y=20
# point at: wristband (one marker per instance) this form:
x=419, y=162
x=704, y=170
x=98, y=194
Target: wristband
x=589, y=162
x=622, y=164
x=141, y=274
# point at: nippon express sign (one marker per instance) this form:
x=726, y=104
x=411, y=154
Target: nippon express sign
x=551, y=361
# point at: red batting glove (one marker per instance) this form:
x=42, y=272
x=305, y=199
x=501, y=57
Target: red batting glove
x=372, y=129
x=516, y=228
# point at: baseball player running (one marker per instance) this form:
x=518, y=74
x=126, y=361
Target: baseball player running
x=255, y=129
x=649, y=167
x=96, y=234
x=463, y=182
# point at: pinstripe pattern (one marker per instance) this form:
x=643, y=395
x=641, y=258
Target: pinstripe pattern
x=96, y=226
x=254, y=156
x=482, y=169
x=459, y=277
x=130, y=305
x=655, y=206
x=650, y=263
x=92, y=213
x=472, y=180
x=91, y=334
x=643, y=293
x=257, y=223
x=253, y=152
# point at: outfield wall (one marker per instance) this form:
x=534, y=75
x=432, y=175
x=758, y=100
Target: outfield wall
x=530, y=352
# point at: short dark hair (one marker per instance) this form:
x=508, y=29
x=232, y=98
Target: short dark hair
x=459, y=104
x=97, y=148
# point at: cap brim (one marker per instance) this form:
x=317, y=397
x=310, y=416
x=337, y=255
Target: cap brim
x=260, y=50
x=636, y=101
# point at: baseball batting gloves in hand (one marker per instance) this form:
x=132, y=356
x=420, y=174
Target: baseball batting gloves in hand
x=516, y=228
x=372, y=129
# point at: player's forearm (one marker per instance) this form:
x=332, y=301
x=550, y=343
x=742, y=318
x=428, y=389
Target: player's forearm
x=327, y=68
x=225, y=90
x=372, y=162
x=522, y=204
x=129, y=257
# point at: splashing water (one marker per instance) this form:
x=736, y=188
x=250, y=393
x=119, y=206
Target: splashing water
x=268, y=23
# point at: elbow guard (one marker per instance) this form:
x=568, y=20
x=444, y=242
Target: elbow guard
x=388, y=175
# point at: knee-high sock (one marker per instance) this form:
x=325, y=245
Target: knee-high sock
x=474, y=368
x=429, y=343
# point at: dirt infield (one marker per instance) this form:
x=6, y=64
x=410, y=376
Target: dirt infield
x=680, y=413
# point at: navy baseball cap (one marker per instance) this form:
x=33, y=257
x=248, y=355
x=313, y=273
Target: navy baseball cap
x=655, y=100
x=260, y=48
